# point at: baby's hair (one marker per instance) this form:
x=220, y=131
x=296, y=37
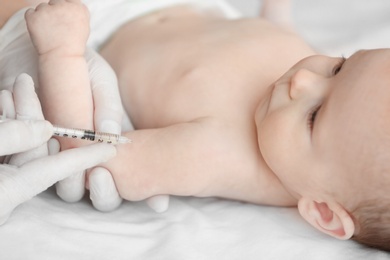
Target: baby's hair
x=372, y=213
x=373, y=219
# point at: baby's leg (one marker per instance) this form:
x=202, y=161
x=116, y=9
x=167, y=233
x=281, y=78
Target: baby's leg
x=278, y=12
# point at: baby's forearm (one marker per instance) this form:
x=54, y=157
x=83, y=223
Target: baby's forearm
x=65, y=93
x=197, y=158
x=59, y=32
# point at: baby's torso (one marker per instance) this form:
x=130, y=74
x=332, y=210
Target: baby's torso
x=177, y=66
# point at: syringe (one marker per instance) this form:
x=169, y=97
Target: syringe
x=90, y=135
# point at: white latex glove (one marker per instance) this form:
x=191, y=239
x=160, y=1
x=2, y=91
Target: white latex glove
x=109, y=116
x=27, y=176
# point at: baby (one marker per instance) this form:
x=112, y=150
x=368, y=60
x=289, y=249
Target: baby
x=215, y=114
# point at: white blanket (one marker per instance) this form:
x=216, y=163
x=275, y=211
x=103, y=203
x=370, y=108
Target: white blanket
x=192, y=228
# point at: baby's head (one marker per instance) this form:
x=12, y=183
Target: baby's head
x=324, y=130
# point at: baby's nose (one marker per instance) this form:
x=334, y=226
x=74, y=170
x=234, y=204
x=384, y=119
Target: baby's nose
x=304, y=82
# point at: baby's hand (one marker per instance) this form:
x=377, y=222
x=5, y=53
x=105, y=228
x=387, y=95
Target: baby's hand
x=60, y=26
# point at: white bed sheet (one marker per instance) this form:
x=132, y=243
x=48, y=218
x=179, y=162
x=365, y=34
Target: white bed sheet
x=193, y=228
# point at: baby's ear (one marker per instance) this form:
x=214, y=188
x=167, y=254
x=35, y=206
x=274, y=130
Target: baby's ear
x=328, y=217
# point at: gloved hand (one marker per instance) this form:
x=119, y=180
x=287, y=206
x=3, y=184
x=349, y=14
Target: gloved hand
x=25, y=176
x=108, y=113
x=108, y=116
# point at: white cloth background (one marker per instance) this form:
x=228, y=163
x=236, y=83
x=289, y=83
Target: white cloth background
x=48, y=228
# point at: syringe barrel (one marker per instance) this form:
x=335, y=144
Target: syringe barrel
x=91, y=135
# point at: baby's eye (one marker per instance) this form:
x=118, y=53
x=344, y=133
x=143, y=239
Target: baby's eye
x=312, y=117
x=338, y=66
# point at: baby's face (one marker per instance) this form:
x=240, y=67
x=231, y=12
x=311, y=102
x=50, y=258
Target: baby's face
x=320, y=119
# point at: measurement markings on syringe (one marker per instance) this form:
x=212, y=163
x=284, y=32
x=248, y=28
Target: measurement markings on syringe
x=75, y=133
x=90, y=135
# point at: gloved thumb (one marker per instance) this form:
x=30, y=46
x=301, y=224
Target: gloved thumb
x=102, y=190
x=158, y=203
x=23, y=183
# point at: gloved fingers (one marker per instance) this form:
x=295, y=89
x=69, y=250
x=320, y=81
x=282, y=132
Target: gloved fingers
x=21, y=158
x=68, y=189
x=102, y=190
x=53, y=146
x=33, y=177
x=158, y=203
x=108, y=111
x=7, y=108
x=27, y=107
x=27, y=104
x=19, y=136
x=9, y=194
x=127, y=125
x=72, y=189
x=107, y=102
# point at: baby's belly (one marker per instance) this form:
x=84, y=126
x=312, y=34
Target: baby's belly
x=159, y=63
x=178, y=65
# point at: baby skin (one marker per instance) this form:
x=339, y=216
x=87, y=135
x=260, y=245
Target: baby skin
x=64, y=86
x=216, y=114
x=191, y=84
x=199, y=90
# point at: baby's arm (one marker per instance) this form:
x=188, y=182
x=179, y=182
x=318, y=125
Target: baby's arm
x=59, y=31
x=197, y=158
